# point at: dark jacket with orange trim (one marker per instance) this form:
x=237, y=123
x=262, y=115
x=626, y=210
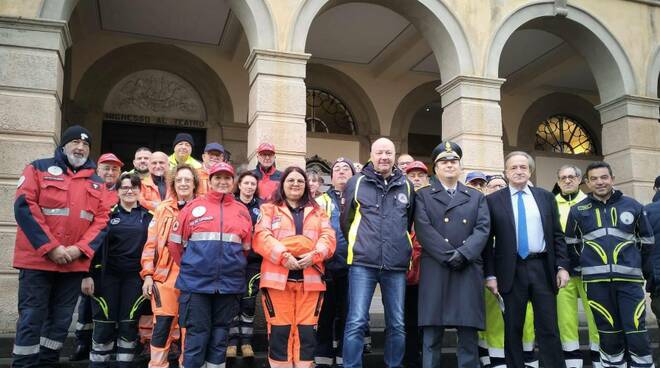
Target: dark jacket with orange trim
x=377, y=218
x=56, y=206
x=210, y=240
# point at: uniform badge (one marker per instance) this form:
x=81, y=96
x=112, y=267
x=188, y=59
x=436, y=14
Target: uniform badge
x=256, y=211
x=55, y=170
x=175, y=227
x=21, y=180
x=627, y=218
x=199, y=211
x=402, y=197
x=115, y=221
x=95, y=185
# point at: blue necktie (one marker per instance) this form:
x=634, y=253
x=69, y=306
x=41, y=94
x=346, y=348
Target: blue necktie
x=523, y=245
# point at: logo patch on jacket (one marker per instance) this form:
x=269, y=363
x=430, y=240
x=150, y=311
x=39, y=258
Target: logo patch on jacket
x=115, y=221
x=55, y=170
x=96, y=185
x=627, y=218
x=584, y=207
x=256, y=211
x=199, y=211
x=402, y=197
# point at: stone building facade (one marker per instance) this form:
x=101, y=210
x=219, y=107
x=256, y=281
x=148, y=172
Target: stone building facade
x=567, y=80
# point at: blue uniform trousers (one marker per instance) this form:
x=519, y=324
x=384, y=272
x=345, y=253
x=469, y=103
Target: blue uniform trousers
x=46, y=301
x=619, y=312
x=206, y=318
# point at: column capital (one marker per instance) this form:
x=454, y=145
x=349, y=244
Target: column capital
x=36, y=33
x=277, y=63
x=472, y=87
x=628, y=105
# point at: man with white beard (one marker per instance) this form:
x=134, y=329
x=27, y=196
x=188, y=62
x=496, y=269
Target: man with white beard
x=61, y=209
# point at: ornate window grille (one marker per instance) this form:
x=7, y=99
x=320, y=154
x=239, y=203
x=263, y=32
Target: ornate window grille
x=327, y=114
x=563, y=134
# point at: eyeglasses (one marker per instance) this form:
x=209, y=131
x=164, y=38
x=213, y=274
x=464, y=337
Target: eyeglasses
x=132, y=189
x=183, y=180
x=568, y=177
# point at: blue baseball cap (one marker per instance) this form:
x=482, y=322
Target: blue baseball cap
x=474, y=175
x=214, y=146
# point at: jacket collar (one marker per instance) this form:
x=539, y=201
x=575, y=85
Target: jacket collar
x=439, y=193
x=616, y=195
x=220, y=197
x=371, y=174
x=63, y=162
x=269, y=172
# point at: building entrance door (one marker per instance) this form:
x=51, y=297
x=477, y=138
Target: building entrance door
x=123, y=138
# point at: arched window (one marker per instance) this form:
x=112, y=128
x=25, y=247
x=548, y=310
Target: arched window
x=327, y=114
x=563, y=134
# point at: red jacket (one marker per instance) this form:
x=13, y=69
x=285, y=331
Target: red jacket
x=54, y=206
x=209, y=240
x=267, y=181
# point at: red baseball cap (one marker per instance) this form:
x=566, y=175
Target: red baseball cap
x=110, y=158
x=221, y=167
x=266, y=147
x=416, y=165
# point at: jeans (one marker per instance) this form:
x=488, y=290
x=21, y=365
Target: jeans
x=361, y=285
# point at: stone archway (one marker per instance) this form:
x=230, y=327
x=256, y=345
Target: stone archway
x=87, y=108
x=608, y=61
x=653, y=75
x=433, y=19
x=409, y=105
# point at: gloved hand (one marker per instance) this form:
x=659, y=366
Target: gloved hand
x=456, y=260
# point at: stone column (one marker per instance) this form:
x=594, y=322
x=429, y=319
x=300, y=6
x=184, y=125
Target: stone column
x=472, y=118
x=31, y=77
x=277, y=105
x=631, y=143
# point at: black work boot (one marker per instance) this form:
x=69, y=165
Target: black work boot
x=81, y=353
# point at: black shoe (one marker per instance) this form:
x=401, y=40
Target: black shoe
x=367, y=348
x=81, y=353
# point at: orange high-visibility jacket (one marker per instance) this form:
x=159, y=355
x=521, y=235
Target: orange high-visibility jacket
x=149, y=194
x=203, y=176
x=156, y=260
x=275, y=224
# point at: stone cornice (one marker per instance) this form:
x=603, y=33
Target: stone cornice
x=276, y=63
x=472, y=87
x=36, y=33
x=627, y=105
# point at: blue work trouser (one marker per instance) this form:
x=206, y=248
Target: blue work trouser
x=361, y=285
x=46, y=301
x=206, y=319
x=619, y=312
x=84, y=324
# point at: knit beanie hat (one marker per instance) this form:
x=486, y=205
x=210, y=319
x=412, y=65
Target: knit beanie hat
x=75, y=132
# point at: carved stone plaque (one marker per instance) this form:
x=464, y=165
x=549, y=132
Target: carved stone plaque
x=155, y=93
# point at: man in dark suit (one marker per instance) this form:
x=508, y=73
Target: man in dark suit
x=529, y=260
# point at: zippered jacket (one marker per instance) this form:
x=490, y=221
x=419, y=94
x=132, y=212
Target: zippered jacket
x=613, y=240
x=55, y=206
x=210, y=240
x=377, y=218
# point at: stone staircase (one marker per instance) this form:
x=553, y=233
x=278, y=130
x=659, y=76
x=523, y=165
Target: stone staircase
x=373, y=359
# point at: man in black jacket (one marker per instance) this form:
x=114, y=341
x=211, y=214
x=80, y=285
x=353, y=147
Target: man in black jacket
x=376, y=220
x=528, y=262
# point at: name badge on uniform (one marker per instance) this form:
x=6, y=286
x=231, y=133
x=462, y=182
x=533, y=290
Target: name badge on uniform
x=627, y=218
x=55, y=170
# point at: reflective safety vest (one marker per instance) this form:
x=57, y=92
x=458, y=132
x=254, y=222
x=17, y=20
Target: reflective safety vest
x=156, y=259
x=612, y=239
x=275, y=224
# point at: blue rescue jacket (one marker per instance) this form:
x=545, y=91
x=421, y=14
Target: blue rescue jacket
x=377, y=219
x=653, y=214
x=331, y=204
x=613, y=240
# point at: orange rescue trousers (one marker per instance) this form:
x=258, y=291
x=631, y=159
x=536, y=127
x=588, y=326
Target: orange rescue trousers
x=165, y=306
x=292, y=315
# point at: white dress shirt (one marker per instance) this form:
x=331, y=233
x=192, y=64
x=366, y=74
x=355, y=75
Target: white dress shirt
x=535, y=236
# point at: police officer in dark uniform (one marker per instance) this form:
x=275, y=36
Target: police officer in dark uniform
x=611, y=235
x=452, y=224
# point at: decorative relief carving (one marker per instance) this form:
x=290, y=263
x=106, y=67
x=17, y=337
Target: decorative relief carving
x=155, y=93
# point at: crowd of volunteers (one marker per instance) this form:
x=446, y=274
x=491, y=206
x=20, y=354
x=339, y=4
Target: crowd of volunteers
x=167, y=260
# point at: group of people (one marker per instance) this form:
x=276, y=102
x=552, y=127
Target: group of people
x=174, y=253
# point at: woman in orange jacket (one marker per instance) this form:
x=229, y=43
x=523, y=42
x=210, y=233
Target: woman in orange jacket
x=294, y=236
x=159, y=271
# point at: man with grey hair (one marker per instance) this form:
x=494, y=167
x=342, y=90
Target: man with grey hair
x=528, y=261
x=569, y=178
x=61, y=210
x=376, y=221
